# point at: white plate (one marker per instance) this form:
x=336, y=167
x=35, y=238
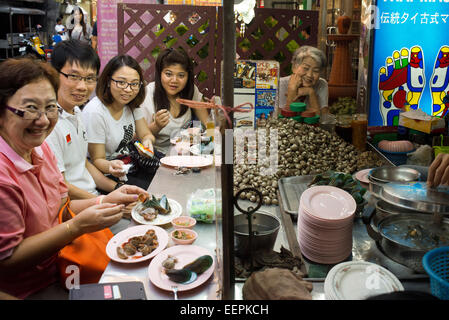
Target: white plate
x=161, y=219
x=187, y=161
x=358, y=280
x=185, y=254
x=125, y=235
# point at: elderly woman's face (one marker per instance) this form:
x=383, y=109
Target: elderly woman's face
x=24, y=135
x=309, y=71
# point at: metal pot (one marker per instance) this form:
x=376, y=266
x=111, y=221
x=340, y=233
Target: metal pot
x=393, y=233
x=265, y=228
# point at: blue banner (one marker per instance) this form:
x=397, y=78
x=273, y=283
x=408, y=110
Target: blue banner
x=410, y=59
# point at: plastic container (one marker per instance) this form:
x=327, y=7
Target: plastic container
x=343, y=127
x=298, y=106
x=312, y=120
x=287, y=113
x=298, y=118
x=308, y=114
x=328, y=122
x=436, y=264
x=359, y=126
x=440, y=145
x=397, y=158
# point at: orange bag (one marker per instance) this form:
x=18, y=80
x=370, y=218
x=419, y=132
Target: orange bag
x=88, y=252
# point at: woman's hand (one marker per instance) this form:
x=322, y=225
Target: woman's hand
x=125, y=194
x=296, y=89
x=439, y=171
x=96, y=218
x=116, y=168
x=162, y=117
x=147, y=143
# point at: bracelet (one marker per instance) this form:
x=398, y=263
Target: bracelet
x=99, y=199
x=68, y=229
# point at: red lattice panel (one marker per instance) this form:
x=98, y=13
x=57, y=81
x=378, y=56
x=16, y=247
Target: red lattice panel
x=137, y=25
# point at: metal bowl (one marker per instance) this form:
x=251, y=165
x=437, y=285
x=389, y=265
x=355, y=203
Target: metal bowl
x=387, y=174
x=375, y=187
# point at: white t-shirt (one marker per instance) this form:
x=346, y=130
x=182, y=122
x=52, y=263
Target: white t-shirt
x=68, y=140
x=321, y=90
x=174, y=126
x=61, y=28
x=103, y=128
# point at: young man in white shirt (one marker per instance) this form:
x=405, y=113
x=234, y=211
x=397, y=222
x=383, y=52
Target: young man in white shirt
x=78, y=66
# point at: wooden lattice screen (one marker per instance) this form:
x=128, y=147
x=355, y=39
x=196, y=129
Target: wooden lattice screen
x=143, y=33
x=275, y=33
x=272, y=35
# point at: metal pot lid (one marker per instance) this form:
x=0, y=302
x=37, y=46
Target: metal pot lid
x=415, y=231
x=416, y=196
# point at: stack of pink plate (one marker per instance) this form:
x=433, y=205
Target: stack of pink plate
x=325, y=220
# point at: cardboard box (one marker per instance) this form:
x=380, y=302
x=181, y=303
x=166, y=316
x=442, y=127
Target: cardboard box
x=420, y=121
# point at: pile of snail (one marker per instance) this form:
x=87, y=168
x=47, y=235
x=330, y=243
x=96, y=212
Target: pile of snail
x=300, y=149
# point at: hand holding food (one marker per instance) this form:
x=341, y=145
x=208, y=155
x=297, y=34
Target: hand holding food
x=125, y=194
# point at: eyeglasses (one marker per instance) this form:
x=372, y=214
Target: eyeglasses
x=34, y=114
x=123, y=84
x=77, y=78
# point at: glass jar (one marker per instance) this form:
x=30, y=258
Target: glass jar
x=343, y=127
x=359, y=126
x=328, y=122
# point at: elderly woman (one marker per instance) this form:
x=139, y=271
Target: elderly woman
x=305, y=84
x=32, y=189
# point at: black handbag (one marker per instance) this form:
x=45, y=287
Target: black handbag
x=150, y=165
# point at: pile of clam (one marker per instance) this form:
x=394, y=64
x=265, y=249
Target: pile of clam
x=301, y=150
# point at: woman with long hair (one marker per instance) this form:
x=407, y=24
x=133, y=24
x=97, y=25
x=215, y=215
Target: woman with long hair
x=80, y=30
x=114, y=119
x=174, y=78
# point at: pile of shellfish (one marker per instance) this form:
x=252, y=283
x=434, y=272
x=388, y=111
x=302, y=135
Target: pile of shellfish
x=302, y=149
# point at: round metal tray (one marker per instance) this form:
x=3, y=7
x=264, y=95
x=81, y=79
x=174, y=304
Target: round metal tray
x=416, y=196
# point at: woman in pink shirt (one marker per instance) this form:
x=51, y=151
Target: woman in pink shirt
x=32, y=189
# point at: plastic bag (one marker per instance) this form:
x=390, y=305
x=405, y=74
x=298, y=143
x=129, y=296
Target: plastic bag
x=204, y=205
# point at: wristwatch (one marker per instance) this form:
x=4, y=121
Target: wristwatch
x=118, y=185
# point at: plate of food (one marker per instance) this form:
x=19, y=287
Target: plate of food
x=184, y=266
x=188, y=161
x=155, y=211
x=137, y=244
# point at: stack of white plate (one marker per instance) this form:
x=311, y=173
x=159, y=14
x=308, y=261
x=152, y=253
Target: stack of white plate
x=359, y=280
x=325, y=221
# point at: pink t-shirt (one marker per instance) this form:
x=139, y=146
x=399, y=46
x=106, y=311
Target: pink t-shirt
x=30, y=197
